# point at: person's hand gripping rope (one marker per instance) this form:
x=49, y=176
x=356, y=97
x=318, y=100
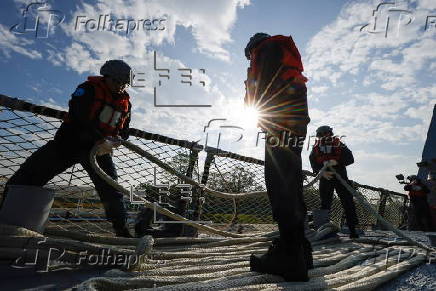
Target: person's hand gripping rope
x=328, y=174
x=107, y=144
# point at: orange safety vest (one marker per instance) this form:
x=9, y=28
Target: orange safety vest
x=331, y=151
x=291, y=58
x=280, y=109
x=109, y=113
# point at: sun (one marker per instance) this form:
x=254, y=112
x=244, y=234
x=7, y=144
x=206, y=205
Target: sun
x=249, y=117
x=238, y=114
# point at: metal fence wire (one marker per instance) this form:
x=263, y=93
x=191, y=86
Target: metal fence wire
x=25, y=127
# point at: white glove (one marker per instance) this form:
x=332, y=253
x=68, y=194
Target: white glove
x=330, y=163
x=327, y=175
x=106, y=146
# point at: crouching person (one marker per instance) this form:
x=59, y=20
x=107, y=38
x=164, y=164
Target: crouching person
x=99, y=111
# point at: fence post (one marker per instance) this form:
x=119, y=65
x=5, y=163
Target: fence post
x=193, y=157
x=193, y=213
x=405, y=214
x=207, y=163
x=382, y=207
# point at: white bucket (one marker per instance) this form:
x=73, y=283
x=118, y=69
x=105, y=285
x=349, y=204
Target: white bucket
x=27, y=206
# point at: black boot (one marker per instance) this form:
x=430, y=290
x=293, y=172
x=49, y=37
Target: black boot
x=145, y=218
x=143, y=222
x=287, y=261
x=120, y=228
x=308, y=254
x=353, y=233
x=122, y=232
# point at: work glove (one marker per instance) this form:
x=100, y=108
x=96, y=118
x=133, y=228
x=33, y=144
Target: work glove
x=331, y=163
x=327, y=175
x=106, y=145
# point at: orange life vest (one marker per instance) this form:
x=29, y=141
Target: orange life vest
x=291, y=58
x=281, y=109
x=327, y=151
x=109, y=113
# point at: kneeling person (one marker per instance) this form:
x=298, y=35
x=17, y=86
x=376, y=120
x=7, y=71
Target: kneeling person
x=98, y=110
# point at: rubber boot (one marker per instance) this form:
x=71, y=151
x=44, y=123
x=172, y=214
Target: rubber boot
x=353, y=233
x=287, y=261
x=27, y=206
x=120, y=228
x=143, y=221
x=308, y=253
x=123, y=232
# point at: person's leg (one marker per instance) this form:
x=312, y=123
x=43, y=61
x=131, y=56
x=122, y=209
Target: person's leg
x=322, y=216
x=44, y=164
x=422, y=213
x=326, y=190
x=348, y=205
x=111, y=198
x=291, y=255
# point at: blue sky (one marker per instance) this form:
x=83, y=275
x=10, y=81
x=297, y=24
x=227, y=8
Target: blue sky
x=373, y=86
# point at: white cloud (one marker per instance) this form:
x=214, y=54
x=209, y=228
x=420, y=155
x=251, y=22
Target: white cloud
x=10, y=42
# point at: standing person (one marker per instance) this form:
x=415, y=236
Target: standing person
x=276, y=87
x=99, y=113
x=329, y=148
x=418, y=199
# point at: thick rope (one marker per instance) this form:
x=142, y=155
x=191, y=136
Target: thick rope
x=192, y=182
x=185, y=178
x=151, y=205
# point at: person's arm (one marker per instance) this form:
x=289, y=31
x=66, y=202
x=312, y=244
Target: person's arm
x=80, y=113
x=346, y=158
x=124, y=132
x=316, y=167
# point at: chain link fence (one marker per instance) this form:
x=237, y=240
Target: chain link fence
x=25, y=127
